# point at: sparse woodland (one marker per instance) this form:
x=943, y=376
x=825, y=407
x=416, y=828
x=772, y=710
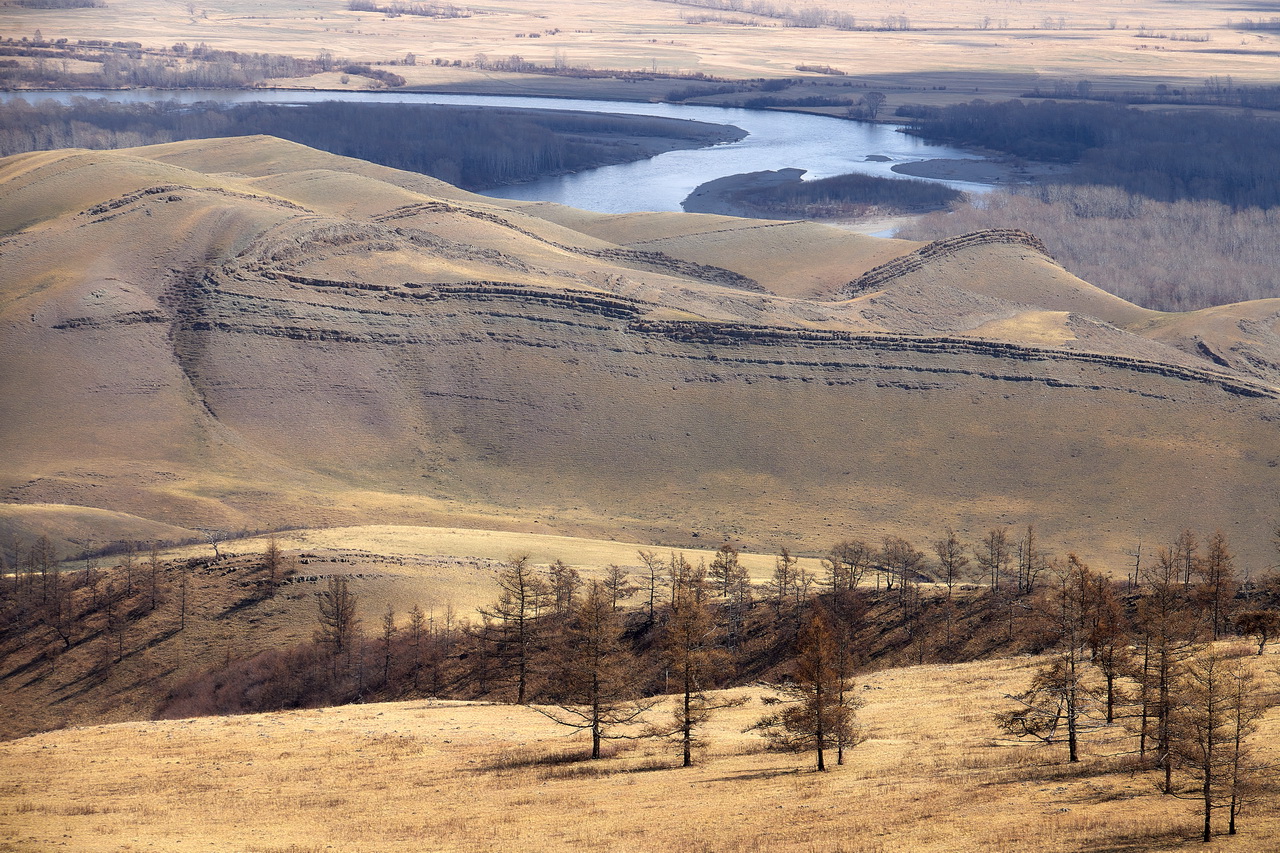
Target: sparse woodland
x=1168, y=256
x=1164, y=670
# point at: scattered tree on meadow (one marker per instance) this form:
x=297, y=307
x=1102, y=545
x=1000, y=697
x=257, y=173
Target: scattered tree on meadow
x=596, y=689
x=273, y=563
x=1108, y=638
x=1221, y=705
x=694, y=657
x=1059, y=696
x=1168, y=635
x=819, y=710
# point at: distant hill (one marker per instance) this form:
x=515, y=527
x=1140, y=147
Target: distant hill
x=248, y=333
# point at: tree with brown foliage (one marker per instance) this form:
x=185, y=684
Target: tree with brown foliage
x=565, y=583
x=618, y=582
x=725, y=570
x=1221, y=705
x=820, y=709
x=694, y=657
x=273, y=564
x=1261, y=624
x=1168, y=635
x=1218, y=585
x=1059, y=697
x=516, y=632
x=596, y=689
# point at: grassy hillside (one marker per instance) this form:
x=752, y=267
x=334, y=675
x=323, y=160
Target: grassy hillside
x=247, y=334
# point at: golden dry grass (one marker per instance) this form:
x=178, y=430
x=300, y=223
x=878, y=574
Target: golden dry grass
x=946, y=45
x=432, y=775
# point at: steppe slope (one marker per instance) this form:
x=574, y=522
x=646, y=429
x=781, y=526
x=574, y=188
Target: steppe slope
x=432, y=775
x=228, y=333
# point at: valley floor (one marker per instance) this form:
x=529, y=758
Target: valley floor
x=432, y=775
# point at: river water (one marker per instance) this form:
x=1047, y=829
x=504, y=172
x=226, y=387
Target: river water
x=822, y=146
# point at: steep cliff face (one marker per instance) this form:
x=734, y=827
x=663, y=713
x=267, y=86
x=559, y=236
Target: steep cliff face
x=236, y=347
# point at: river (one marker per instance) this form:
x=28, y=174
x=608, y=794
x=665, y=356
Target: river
x=822, y=146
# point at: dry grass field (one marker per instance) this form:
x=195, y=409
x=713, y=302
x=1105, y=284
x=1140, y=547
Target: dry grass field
x=934, y=775
x=970, y=48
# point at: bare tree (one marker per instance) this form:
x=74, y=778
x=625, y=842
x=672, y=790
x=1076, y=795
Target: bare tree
x=951, y=558
x=1222, y=704
x=846, y=564
x=386, y=642
x=417, y=638
x=873, y=101
x=900, y=560
x=522, y=594
x=993, y=555
x=336, y=613
x=596, y=688
x=654, y=568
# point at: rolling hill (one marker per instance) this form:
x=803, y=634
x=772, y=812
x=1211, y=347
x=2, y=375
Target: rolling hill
x=248, y=333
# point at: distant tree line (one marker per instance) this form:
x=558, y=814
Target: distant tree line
x=1169, y=256
x=1165, y=156
x=128, y=64
x=423, y=10
x=1216, y=91
x=468, y=146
